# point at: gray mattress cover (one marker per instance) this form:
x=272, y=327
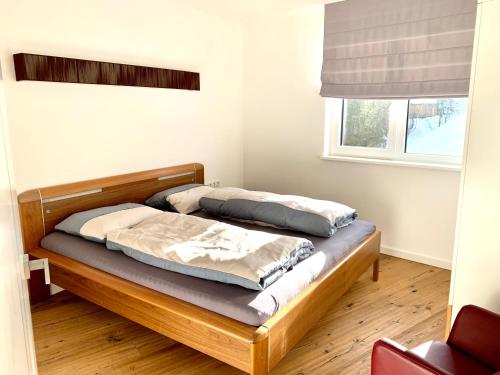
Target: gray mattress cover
x=245, y=305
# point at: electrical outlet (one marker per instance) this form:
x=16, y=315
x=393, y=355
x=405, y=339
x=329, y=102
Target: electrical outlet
x=214, y=183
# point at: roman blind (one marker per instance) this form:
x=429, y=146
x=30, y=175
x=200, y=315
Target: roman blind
x=389, y=49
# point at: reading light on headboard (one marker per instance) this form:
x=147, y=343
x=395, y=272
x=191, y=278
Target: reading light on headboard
x=62, y=69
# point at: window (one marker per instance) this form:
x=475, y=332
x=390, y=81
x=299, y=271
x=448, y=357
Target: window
x=436, y=126
x=415, y=130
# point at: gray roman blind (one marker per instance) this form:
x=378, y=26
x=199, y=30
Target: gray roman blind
x=398, y=48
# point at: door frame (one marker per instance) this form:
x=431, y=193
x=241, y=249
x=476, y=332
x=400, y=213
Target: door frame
x=21, y=295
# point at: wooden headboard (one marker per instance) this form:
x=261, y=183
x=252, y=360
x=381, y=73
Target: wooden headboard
x=41, y=209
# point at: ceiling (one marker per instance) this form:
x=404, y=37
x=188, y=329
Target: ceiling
x=250, y=10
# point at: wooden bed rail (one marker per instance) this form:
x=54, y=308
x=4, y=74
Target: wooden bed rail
x=304, y=311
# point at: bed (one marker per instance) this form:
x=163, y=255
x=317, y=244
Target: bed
x=253, y=340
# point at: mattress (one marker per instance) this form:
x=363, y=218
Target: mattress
x=245, y=305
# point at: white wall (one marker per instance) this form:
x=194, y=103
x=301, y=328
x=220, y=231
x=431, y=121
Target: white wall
x=476, y=271
x=68, y=132
x=283, y=121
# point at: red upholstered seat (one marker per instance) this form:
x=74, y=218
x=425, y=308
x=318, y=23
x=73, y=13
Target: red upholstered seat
x=473, y=348
x=449, y=359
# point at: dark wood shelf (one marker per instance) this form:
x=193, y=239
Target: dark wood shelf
x=62, y=69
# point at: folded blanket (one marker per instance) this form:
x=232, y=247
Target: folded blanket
x=210, y=249
x=313, y=216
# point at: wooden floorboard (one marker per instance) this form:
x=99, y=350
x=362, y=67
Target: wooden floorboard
x=408, y=304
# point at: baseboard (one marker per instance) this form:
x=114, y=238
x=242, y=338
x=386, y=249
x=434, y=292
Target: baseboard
x=425, y=259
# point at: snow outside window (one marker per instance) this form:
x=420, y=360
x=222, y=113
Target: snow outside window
x=415, y=130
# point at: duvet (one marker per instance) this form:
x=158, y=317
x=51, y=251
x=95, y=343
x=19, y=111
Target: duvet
x=210, y=249
x=302, y=214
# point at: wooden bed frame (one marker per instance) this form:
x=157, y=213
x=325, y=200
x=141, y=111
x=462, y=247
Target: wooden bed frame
x=255, y=350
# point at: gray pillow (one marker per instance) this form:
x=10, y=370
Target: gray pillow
x=159, y=200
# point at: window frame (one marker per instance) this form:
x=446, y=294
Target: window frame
x=396, y=142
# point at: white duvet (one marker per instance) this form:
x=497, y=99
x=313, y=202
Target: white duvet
x=210, y=249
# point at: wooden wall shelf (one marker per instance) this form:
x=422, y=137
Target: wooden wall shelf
x=62, y=69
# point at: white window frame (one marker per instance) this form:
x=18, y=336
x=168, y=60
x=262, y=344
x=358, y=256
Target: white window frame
x=395, y=150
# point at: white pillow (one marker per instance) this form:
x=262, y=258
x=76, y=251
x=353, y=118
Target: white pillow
x=96, y=223
x=187, y=201
x=100, y=226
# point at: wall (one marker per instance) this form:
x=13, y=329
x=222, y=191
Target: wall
x=475, y=276
x=283, y=138
x=69, y=132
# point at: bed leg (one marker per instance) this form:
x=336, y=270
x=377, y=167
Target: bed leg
x=376, y=268
x=260, y=353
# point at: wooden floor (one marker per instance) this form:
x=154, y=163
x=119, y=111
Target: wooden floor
x=408, y=304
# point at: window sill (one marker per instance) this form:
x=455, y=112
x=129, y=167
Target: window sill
x=395, y=163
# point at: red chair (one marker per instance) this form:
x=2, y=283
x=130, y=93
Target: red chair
x=473, y=348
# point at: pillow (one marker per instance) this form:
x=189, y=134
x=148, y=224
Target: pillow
x=159, y=200
x=95, y=224
x=182, y=199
